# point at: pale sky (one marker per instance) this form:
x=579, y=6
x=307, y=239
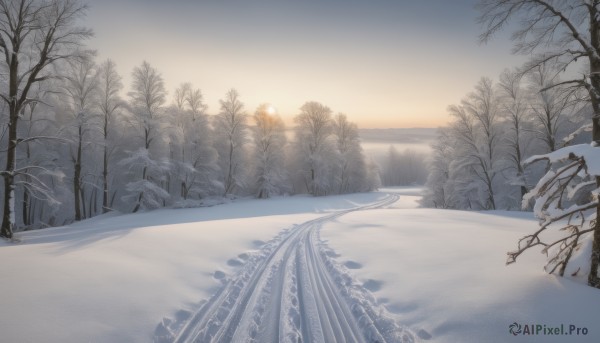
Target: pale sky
x=384, y=63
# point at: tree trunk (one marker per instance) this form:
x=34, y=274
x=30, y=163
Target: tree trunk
x=9, y=201
x=139, y=201
x=76, y=191
x=77, y=180
x=84, y=212
x=312, y=181
x=27, y=199
x=8, y=213
x=229, y=179
x=105, y=207
x=593, y=278
x=26, y=207
x=93, y=202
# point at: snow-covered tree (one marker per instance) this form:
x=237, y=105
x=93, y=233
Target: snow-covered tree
x=314, y=148
x=269, y=139
x=549, y=106
x=514, y=108
x=231, y=130
x=475, y=128
x=373, y=175
x=193, y=157
x=351, y=169
x=147, y=98
x=204, y=157
x=181, y=94
x=439, y=192
x=35, y=34
x=109, y=104
x=79, y=88
x=563, y=32
x=42, y=185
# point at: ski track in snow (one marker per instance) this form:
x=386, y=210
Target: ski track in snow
x=291, y=290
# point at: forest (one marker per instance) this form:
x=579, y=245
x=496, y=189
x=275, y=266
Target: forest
x=76, y=142
x=529, y=141
x=478, y=160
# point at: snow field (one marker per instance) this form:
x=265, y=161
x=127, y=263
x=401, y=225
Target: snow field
x=289, y=292
x=401, y=273
x=442, y=273
x=113, y=279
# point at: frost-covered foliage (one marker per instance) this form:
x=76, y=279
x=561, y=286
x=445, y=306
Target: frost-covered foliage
x=145, y=192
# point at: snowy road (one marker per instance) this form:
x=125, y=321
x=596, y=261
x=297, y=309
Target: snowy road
x=289, y=291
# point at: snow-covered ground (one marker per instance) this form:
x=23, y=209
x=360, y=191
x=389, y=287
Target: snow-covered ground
x=440, y=274
x=444, y=272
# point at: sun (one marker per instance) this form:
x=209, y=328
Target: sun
x=271, y=110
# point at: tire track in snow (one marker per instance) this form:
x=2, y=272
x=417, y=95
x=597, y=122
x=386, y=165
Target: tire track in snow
x=290, y=291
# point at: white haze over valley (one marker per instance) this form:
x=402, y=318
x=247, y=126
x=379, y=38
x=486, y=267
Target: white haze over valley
x=376, y=142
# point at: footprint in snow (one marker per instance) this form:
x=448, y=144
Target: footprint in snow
x=234, y=262
x=398, y=307
x=424, y=334
x=219, y=275
x=352, y=265
x=258, y=243
x=373, y=285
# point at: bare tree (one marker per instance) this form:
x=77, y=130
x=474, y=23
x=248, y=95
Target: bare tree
x=561, y=31
x=109, y=103
x=33, y=35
